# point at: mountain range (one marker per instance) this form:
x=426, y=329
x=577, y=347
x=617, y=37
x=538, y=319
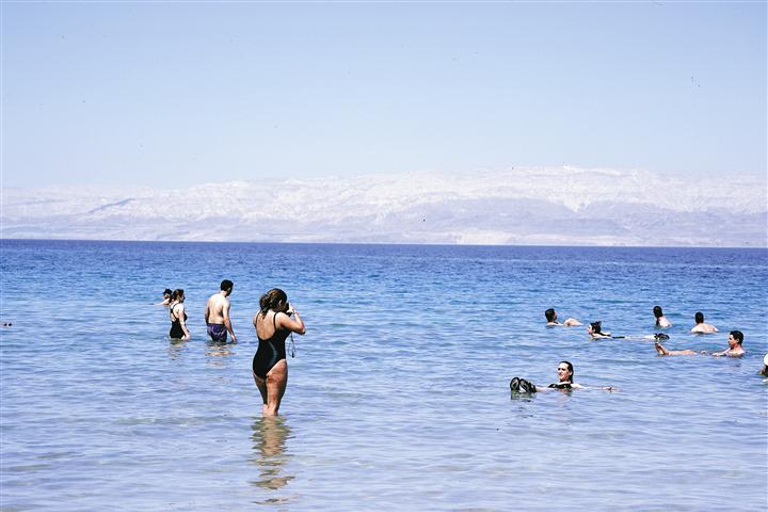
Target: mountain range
x=543, y=206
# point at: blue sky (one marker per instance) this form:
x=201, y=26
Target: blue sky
x=176, y=94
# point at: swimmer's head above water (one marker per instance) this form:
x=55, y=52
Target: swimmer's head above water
x=226, y=286
x=550, y=315
x=565, y=372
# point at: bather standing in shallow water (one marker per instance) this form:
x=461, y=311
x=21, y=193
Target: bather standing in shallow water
x=273, y=325
x=179, y=330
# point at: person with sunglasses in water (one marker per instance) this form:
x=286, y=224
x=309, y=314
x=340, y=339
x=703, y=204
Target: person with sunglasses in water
x=564, y=382
x=274, y=322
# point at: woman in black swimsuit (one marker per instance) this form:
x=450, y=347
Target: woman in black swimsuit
x=179, y=329
x=273, y=325
x=564, y=381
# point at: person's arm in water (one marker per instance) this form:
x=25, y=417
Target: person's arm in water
x=227, y=322
x=207, y=311
x=293, y=322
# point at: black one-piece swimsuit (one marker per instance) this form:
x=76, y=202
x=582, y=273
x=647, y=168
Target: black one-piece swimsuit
x=270, y=351
x=176, y=331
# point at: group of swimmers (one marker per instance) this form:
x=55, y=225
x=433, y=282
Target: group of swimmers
x=565, y=368
x=274, y=322
x=595, y=330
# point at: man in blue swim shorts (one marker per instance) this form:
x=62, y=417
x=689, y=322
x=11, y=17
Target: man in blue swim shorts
x=217, y=314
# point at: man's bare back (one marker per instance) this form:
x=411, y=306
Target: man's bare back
x=217, y=314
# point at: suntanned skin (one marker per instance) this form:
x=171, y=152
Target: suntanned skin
x=273, y=387
x=217, y=311
x=704, y=328
x=569, y=322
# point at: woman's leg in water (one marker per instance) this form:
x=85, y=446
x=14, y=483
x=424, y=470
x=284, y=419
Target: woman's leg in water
x=262, y=385
x=664, y=352
x=277, y=381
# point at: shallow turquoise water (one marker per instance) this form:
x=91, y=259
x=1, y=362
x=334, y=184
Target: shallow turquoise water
x=398, y=395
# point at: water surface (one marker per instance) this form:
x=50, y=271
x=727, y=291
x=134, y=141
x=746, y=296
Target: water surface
x=398, y=395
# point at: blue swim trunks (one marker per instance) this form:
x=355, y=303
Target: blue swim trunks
x=217, y=332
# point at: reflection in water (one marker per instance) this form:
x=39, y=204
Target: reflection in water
x=176, y=348
x=269, y=435
x=214, y=349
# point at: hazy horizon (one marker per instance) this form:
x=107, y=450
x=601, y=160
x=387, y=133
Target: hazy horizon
x=491, y=123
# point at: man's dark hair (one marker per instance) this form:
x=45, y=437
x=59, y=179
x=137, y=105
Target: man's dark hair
x=227, y=285
x=738, y=336
x=550, y=315
x=699, y=317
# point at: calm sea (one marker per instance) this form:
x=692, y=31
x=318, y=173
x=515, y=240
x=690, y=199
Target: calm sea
x=398, y=395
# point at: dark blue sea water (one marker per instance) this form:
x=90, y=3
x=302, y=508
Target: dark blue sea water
x=398, y=396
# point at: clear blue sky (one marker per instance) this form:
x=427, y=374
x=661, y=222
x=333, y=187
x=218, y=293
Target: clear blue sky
x=177, y=94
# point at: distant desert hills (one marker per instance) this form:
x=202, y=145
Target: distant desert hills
x=548, y=206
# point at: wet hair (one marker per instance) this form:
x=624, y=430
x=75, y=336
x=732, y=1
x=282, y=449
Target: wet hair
x=738, y=336
x=167, y=291
x=550, y=315
x=657, y=311
x=699, y=317
x=570, y=369
x=226, y=285
x=275, y=299
x=597, y=327
x=177, y=294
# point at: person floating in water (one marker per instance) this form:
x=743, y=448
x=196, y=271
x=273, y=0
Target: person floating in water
x=166, y=298
x=273, y=325
x=178, y=316
x=217, y=314
x=564, y=382
x=735, y=340
x=551, y=317
x=701, y=327
x=661, y=320
x=595, y=330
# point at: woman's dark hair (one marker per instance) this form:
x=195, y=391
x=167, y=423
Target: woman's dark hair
x=550, y=315
x=274, y=299
x=177, y=294
x=657, y=311
x=596, y=327
x=570, y=369
x=699, y=317
x=167, y=291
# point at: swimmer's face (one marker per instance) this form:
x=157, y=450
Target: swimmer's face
x=732, y=341
x=563, y=373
